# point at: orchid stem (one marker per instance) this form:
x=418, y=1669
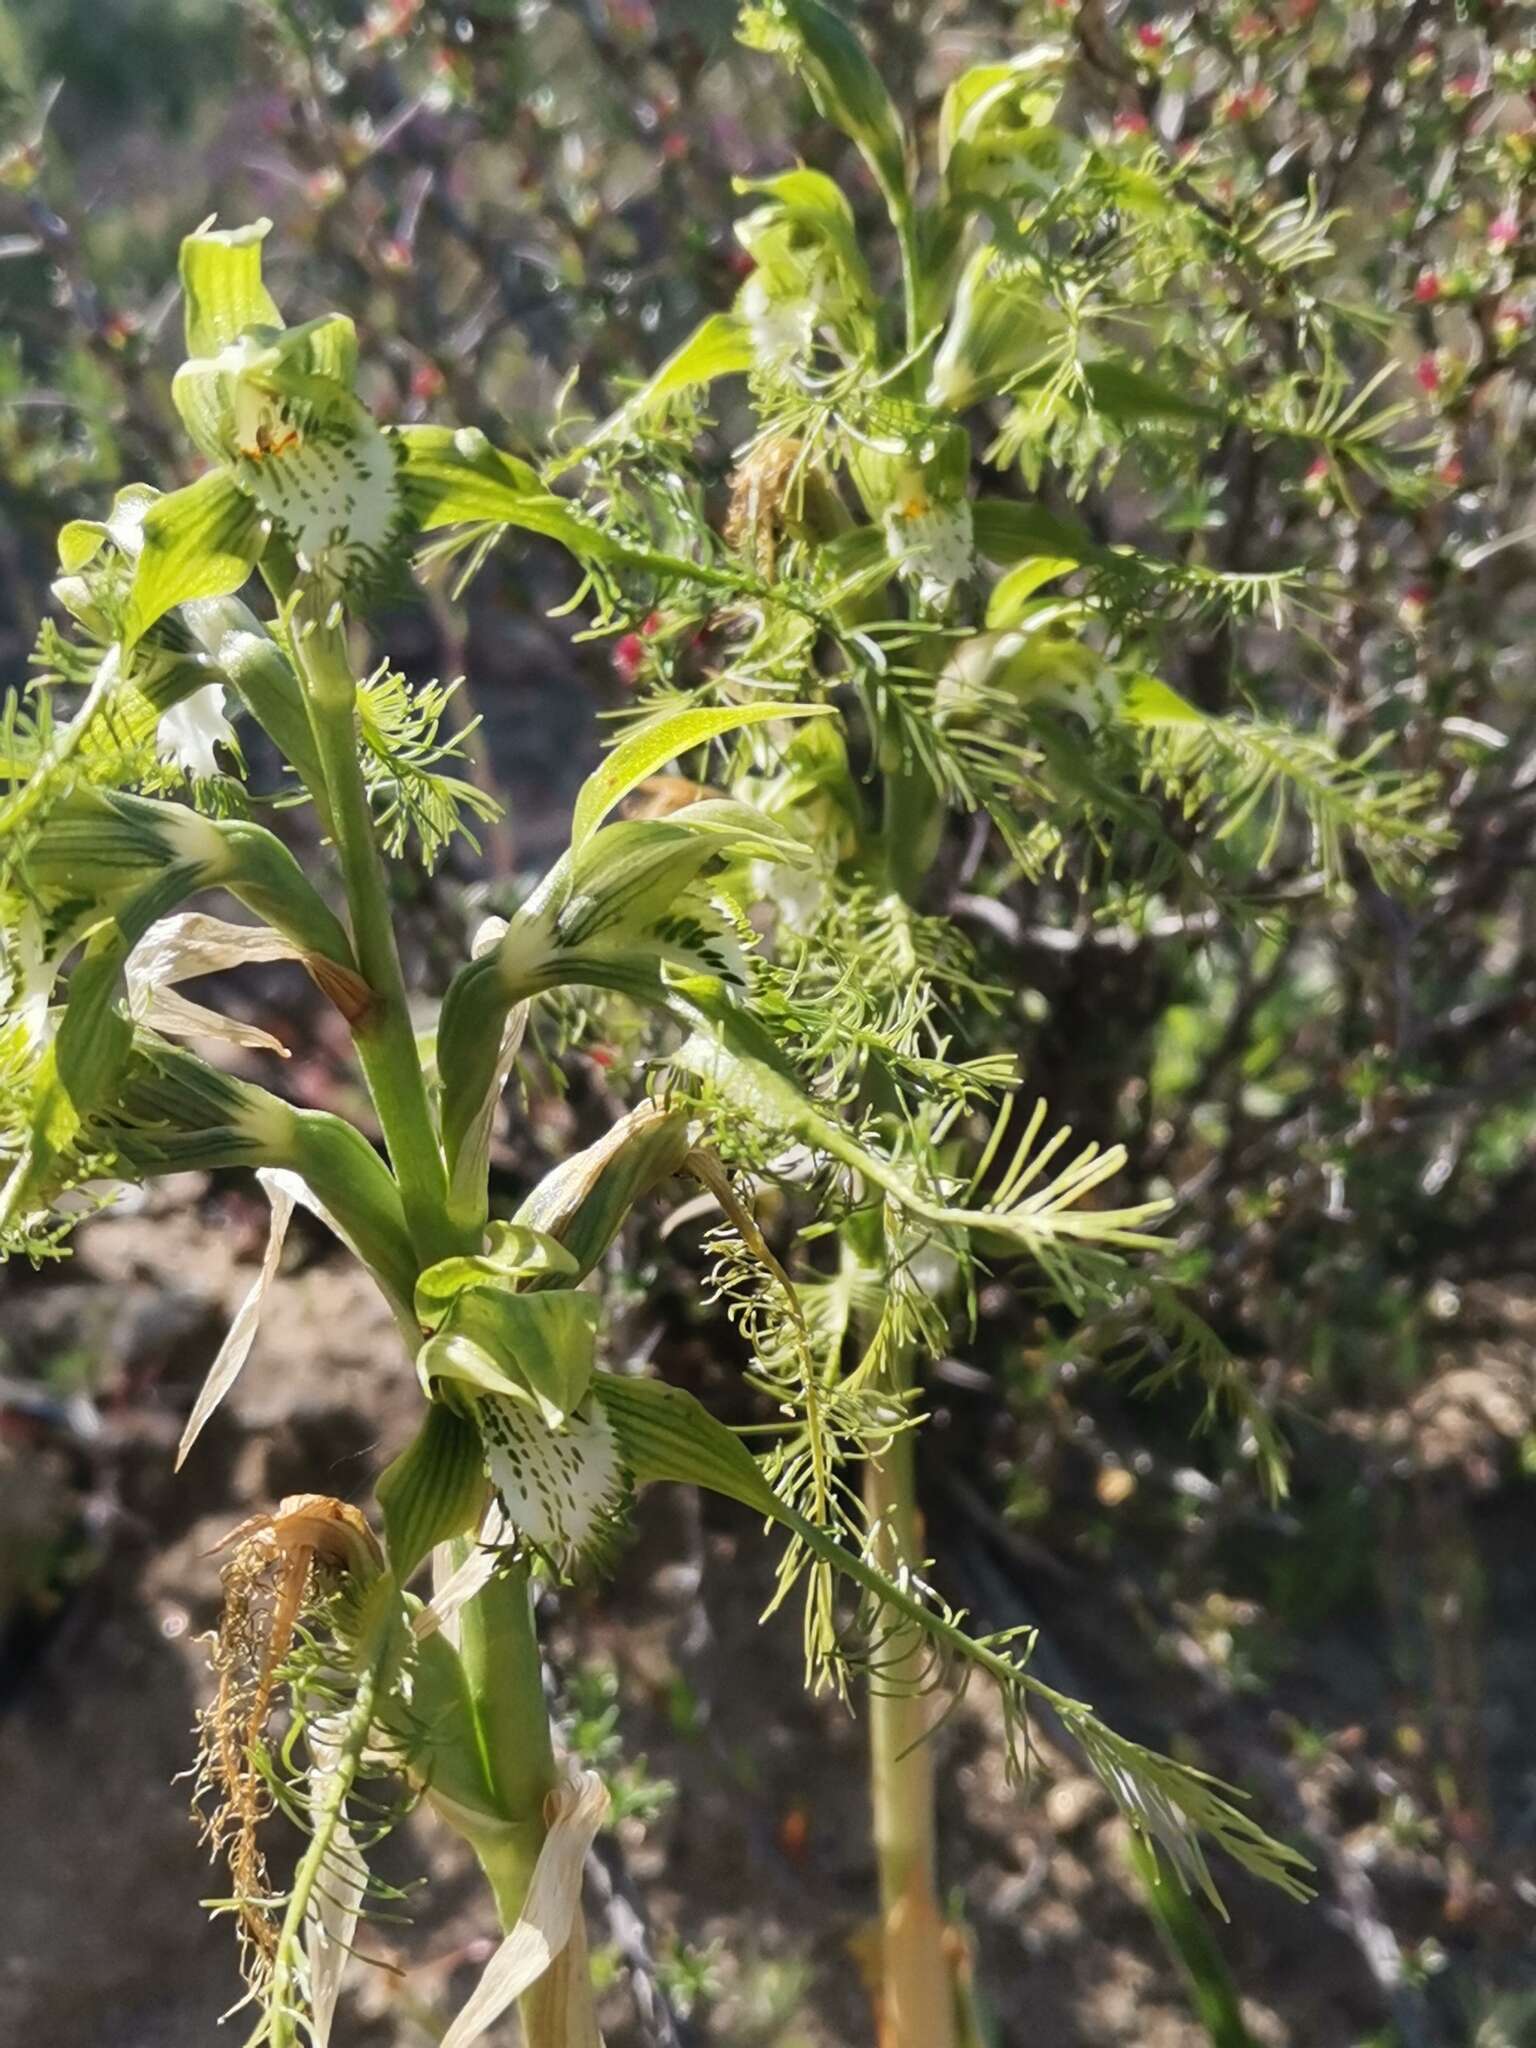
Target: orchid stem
x=386, y=1042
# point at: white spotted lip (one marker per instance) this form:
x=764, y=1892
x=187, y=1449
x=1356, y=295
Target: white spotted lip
x=561, y=1489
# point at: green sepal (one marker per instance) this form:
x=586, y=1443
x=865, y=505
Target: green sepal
x=435, y=1490
x=745, y=832
x=818, y=211
x=221, y=286
x=517, y=1254
x=805, y=253
x=665, y=1434
x=1002, y=327
x=844, y=85
x=584, y=1200
x=533, y=1348
x=79, y=1072
x=911, y=448
x=594, y=919
x=996, y=141
x=547, y=1340
x=361, y=1193
x=469, y=1030
x=202, y=541
x=172, y=1112
x=98, y=848
x=312, y=365
x=451, y=1360
x=991, y=102
x=268, y=879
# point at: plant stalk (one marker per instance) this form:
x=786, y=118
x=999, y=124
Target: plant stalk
x=385, y=1039
x=499, y=1651
x=917, y=2006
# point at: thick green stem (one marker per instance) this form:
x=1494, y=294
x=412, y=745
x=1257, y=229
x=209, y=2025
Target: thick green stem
x=916, y=1994
x=499, y=1651
x=385, y=1039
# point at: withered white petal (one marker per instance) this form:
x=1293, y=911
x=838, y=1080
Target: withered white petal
x=454, y=1586
x=184, y=947
x=175, y=1016
x=236, y=1347
x=335, y=1905
x=489, y=934
x=549, y=1912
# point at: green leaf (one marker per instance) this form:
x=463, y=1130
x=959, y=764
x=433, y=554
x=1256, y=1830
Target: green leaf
x=202, y=541
x=454, y=477
x=222, y=288
x=1150, y=701
x=664, y=1434
x=433, y=1491
x=718, y=347
x=1129, y=396
x=1008, y=532
x=1005, y=607
x=647, y=747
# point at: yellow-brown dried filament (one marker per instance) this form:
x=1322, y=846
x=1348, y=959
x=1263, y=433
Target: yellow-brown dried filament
x=761, y=487
x=279, y=1566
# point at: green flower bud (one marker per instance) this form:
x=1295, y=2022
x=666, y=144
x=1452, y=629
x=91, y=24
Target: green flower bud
x=1002, y=327
x=845, y=86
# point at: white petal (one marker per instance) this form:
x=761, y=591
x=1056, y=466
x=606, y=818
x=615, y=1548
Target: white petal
x=454, y=1586
x=549, y=1911
x=188, y=733
x=558, y=1486
x=474, y=1153
x=933, y=544
x=175, y=1016
x=781, y=330
x=236, y=1347
x=334, y=1906
x=184, y=947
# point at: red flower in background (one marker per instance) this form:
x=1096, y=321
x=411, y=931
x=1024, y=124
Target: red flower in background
x=628, y=658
